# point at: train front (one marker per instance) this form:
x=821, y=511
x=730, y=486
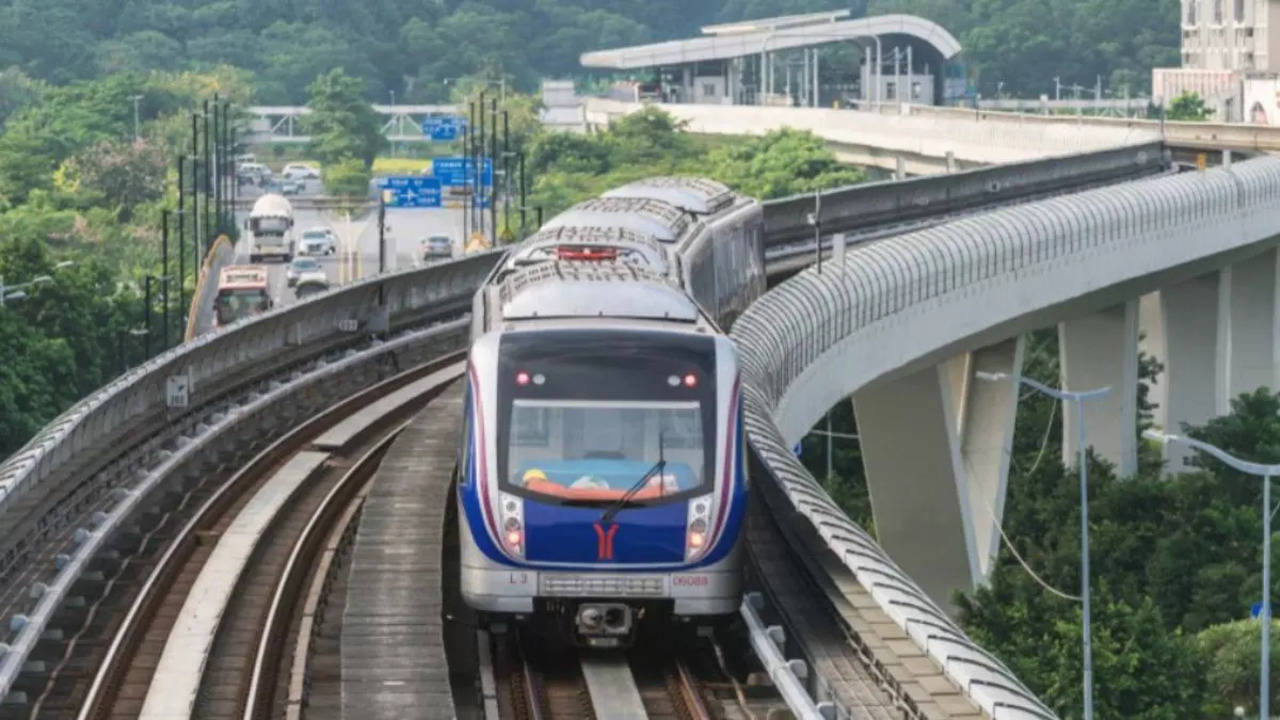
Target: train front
x=602, y=486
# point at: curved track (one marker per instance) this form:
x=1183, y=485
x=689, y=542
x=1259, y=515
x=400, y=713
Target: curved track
x=243, y=663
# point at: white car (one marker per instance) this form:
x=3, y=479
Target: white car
x=311, y=282
x=319, y=241
x=299, y=267
x=300, y=171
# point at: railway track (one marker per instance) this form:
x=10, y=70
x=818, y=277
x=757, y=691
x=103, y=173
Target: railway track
x=657, y=680
x=246, y=555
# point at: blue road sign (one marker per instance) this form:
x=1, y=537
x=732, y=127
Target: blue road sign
x=411, y=191
x=1255, y=610
x=443, y=128
x=459, y=171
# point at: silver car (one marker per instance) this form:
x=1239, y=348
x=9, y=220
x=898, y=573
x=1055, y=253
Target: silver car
x=437, y=247
x=298, y=267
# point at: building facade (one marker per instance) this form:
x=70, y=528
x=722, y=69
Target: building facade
x=1230, y=58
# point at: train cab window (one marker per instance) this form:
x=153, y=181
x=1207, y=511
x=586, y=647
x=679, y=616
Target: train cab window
x=594, y=451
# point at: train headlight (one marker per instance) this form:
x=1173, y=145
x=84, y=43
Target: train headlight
x=511, y=510
x=696, y=527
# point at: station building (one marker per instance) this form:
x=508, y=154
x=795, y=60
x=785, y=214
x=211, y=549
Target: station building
x=812, y=60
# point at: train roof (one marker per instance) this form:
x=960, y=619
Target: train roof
x=691, y=194
x=658, y=219
x=601, y=244
x=561, y=289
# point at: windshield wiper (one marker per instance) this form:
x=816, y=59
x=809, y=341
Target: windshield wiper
x=658, y=468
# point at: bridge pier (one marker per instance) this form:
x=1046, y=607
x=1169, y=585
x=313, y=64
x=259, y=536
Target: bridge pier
x=1188, y=347
x=1096, y=350
x=1247, y=332
x=935, y=448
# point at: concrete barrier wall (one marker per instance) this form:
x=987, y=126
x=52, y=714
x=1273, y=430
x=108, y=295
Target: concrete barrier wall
x=200, y=315
x=972, y=138
x=134, y=405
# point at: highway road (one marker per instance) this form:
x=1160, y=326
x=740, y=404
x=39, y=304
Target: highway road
x=357, y=252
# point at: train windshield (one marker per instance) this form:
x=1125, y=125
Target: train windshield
x=595, y=451
x=584, y=416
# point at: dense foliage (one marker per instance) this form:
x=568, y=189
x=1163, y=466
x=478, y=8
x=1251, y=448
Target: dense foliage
x=569, y=168
x=1025, y=44
x=1176, y=562
x=420, y=49
x=80, y=203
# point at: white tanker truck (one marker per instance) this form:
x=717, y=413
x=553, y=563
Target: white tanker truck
x=270, y=227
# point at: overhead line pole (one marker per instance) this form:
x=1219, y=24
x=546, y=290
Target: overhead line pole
x=216, y=166
x=164, y=271
x=493, y=181
x=207, y=169
x=182, y=232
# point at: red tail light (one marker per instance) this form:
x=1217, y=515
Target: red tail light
x=586, y=253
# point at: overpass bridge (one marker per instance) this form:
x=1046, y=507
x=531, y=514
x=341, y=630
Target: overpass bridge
x=945, y=276
x=283, y=123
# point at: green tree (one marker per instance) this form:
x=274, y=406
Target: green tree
x=1188, y=106
x=783, y=162
x=349, y=177
x=342, y=125
x=115, y=173
x=1234, y=663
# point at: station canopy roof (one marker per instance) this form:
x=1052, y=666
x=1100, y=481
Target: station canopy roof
x=753, y=37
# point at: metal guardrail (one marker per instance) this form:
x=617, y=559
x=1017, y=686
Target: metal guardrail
x=788, y=675
x=134, y=405
x=787, y=333
x=1205, y=135
x=866, y=207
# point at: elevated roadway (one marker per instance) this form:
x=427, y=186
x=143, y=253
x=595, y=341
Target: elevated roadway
x=923, y=139
x=909, y=318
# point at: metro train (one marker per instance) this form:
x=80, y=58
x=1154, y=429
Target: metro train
x=601, y=482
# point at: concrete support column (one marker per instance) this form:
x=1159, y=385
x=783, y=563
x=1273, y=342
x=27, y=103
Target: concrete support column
x=1247, y=333
x=1099, y=350
x=1188, y=348
x=935, y=448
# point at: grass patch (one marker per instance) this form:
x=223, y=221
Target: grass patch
x=399, y=165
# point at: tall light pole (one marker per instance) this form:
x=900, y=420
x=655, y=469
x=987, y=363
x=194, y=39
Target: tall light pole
x=1265, y=472
x=1078, y=397
x=136, y=132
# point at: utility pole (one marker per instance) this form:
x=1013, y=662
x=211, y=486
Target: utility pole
x=466, y=155
x=146, y=318
x=506, y=171
x=493, y=163
x=208, y=170
x=478, y=188
x=195, y=182
x=523, y=203
x=215, y=167
x=137, y=135
x=182, y=222
x=382, y=237
x=164, y=272
x=1057, y=88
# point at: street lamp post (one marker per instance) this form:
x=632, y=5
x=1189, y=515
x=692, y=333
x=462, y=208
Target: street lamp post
x=1078, y=397
x=19, y=291
x=1266, y=472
